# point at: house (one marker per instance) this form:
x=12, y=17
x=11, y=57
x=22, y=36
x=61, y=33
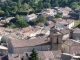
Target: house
x=65, y=24
x=3, y=53
x=20, y=46
x=76, y=33
x=30, y=17
x=3, y=50
x=75, y=14
x=26, y=29
x=64, y=11
x=36, y=30
x=71, y=46
x=43, y=55
x=23, y=56
x=40, y=43
x=48, y=23
x=48, y=12
x=66, y=56
x=42, y=29
x=65, y=33
x=55, y=20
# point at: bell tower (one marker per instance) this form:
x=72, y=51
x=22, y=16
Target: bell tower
x=56, y=39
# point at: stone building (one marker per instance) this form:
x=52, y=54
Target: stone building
x=56, y=39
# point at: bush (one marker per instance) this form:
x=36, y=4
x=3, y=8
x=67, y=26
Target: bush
x=41, y=19
x=57, y=16
x=2, y=13
x=21, y=23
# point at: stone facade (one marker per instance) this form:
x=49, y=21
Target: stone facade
x=56, y=40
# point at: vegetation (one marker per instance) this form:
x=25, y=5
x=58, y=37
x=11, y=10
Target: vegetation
x=76, y=23
x=21, y=23
x=74, y=5
x=24, y=7
x=1, y=12
x=40, y=19
x=3, y=41
x=18, y=21
x=34, y=55
x=57, y=16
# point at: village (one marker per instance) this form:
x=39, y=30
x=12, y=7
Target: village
x=56, y=39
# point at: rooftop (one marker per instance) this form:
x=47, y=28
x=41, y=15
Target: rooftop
x=47, y=11
x=31, y=15
x=58, y=19
x=41, y=54
x=77, y=30
x=66, y=22
x=65, y=31
x=30, y=42
x=72, y=42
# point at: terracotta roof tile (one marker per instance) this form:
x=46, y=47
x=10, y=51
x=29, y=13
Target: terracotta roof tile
x=72, y=42
x=31, y=42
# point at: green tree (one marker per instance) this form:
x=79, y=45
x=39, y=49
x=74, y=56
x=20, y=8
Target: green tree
x=57, y=16
x=19, y=4
x=7, y=13
x=34, y=55
x=74, y=5
x=21, y=23
x=1, y=12
x=47, y=5
x=14, y=8
x=40, y=5
x=25, y=7
x=41, y=19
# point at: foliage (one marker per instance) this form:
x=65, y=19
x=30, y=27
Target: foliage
x=34, y=55
x=21, y=23
x=57, y=16
x=14, y=7
x=3, y=41
x=76, y=24
x=7, y=13
x=2, y=13
x=41, y=19
x=74, y=5
x=18, y=21
x=24, y=7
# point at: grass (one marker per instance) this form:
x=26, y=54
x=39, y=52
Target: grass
x=76, y=23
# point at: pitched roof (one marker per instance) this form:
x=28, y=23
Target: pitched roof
x=77, y=30
x=30, y=42
x=66, y=22
x=72, y=42
x=27, y=29
x=65, y=31
x=41, y=54
x=58, y=19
